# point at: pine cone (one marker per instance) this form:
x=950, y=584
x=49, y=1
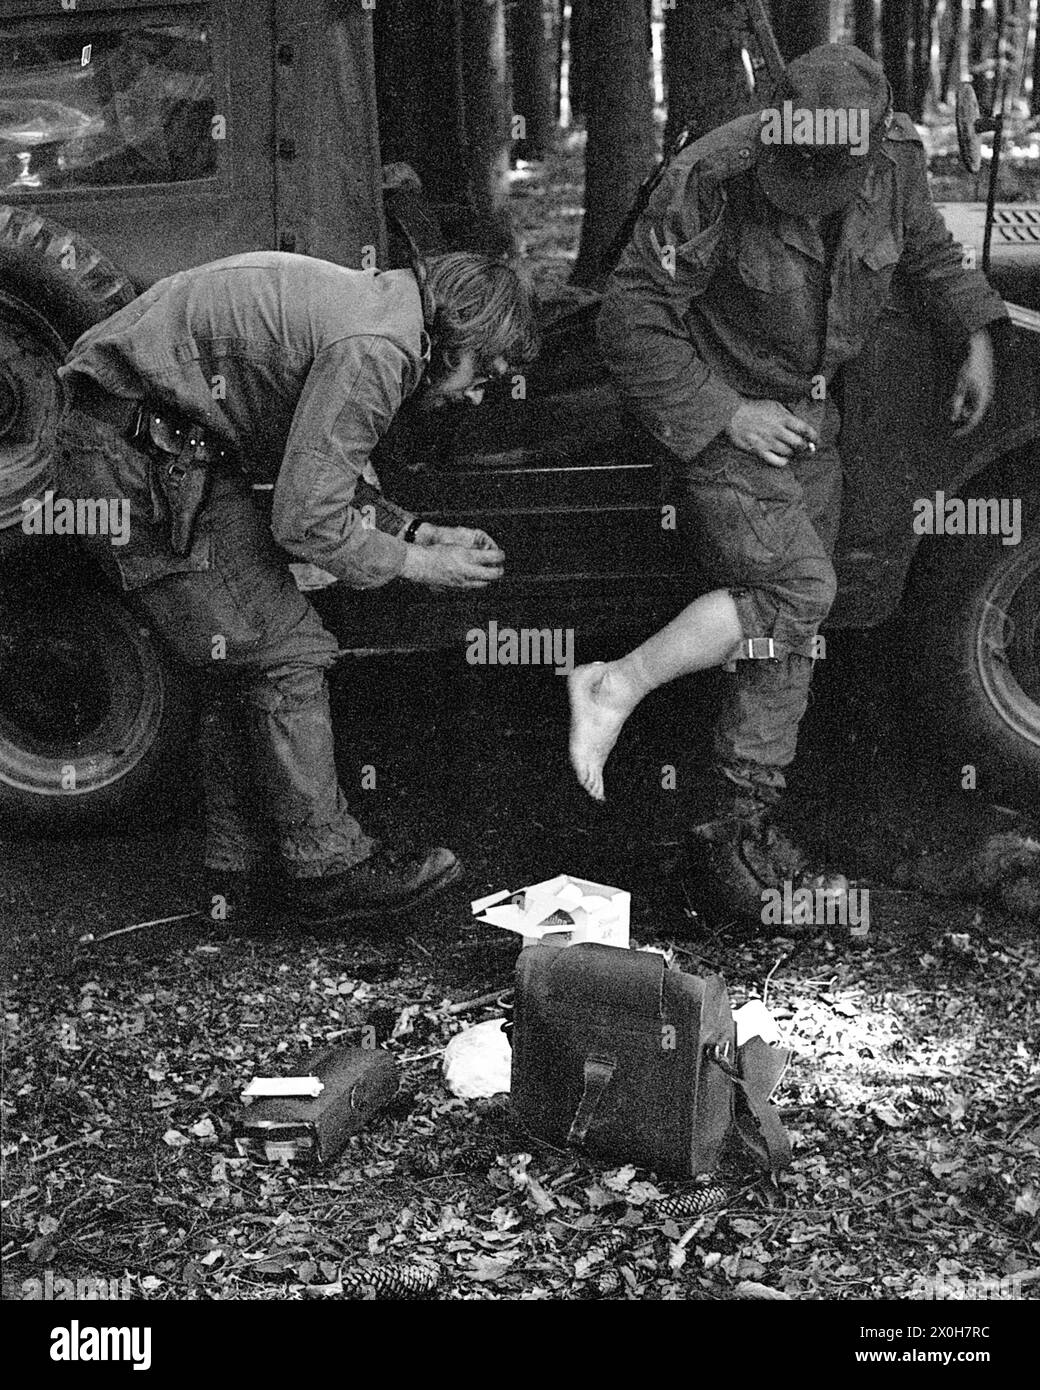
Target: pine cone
x=689, y=1204
x=604, y=1285
x=608, y=1245
x=392, y=1281
x=926, y=1095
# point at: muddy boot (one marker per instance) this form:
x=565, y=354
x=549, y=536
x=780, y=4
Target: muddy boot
x=745, y=862
x=386, y=883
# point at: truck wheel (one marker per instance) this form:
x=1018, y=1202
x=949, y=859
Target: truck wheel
x=53, y=286
x=974, y=656
x=90, y=711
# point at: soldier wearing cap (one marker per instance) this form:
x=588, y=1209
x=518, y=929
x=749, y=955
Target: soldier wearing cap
x=758, y=270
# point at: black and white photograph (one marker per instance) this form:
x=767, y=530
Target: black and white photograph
x=519, y=675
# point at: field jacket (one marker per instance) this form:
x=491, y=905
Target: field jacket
x=720, y=296
x=299, y=366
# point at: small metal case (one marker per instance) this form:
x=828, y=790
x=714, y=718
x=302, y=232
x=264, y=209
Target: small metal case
x=357, y=1082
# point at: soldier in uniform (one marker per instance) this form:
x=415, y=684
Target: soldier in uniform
x=284, y=369
x=757, y=271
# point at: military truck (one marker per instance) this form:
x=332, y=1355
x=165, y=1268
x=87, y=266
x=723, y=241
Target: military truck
x=137, y=139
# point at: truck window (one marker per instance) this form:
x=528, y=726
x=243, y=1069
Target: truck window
x=89, y=105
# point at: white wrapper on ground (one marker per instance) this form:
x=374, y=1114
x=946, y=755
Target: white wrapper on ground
x=477, y=1061
x=283, y=1086
x=754, y=1020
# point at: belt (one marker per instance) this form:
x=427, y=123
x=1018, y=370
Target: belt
x=137, y=420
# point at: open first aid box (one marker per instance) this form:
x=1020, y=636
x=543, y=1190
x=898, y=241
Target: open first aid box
x=562, y=911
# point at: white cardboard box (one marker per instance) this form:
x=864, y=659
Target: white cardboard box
x=598, y=912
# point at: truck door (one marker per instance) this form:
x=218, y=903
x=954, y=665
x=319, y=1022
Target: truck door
x=131, y=124
x=549, y=468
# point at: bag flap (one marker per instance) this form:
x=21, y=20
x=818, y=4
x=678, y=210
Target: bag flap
x=606, y=980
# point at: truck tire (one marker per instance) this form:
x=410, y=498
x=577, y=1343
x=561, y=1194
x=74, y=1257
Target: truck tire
x=973, y=612
x=90, y=709
x=53, y=286
x=89, y=712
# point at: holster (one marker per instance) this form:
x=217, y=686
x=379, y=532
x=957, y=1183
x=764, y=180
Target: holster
x=181, y=460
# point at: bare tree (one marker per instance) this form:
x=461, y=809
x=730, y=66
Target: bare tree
x=800, y=24
x=896, y=47
x=577, y=46
x=532, y=65
x=704, y=74
x=481, y=54
x=921, y=21
x=619, y=118
x=952, y=60
x=864, y=26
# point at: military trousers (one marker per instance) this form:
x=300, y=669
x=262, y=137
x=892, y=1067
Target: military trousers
x=766, y=534
x=231, y=611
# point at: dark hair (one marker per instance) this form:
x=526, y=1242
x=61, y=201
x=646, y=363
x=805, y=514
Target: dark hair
x=483, y=306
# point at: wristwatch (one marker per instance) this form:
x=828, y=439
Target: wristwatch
x=412, y=528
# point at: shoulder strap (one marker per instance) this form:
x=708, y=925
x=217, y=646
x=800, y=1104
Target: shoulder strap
x=758, y=1122
x=755, y=1078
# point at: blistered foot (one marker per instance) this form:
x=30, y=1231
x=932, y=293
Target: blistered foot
x=598, y=714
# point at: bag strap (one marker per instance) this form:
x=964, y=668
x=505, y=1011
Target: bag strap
x=763, y=1125
x=599, y=1069
x=760, y=1128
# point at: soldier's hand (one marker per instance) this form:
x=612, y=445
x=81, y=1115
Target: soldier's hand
x=428, y=534
x=770, y=431
x=452, y=566
x=975, y=383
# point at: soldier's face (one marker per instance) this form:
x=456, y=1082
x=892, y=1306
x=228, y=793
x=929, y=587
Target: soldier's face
x=463, y=383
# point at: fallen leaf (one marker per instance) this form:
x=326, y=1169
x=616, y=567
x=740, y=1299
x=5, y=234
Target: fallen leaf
x=748, y=1288
x=488, y=1268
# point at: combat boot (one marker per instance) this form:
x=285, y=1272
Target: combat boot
x=741, y=859
x=388, y=882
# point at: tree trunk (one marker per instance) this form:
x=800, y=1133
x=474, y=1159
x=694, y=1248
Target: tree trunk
x=486, y=104
x=577, y=46
x=552, y=19
x=864, y=26
x=620, y=150
x=1016, y=43
x=979, y=49
x=533, y=122
x=800, y=25
x=418, y=100
x=950, y=74
x=920, y=39
x=896, y=50
x=705, y=81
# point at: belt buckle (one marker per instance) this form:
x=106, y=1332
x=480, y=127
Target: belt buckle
x=760, y=649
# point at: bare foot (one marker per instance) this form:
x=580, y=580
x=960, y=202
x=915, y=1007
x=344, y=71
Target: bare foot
x=599, y=708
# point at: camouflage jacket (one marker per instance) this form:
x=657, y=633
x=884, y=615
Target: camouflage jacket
x=720, y=296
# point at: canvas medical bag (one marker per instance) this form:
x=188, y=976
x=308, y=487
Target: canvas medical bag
x=631, y=1061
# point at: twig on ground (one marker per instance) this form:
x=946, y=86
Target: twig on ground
x=64, y=1148
x=89, y=939
x=765, y=987
x=464, y=1005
